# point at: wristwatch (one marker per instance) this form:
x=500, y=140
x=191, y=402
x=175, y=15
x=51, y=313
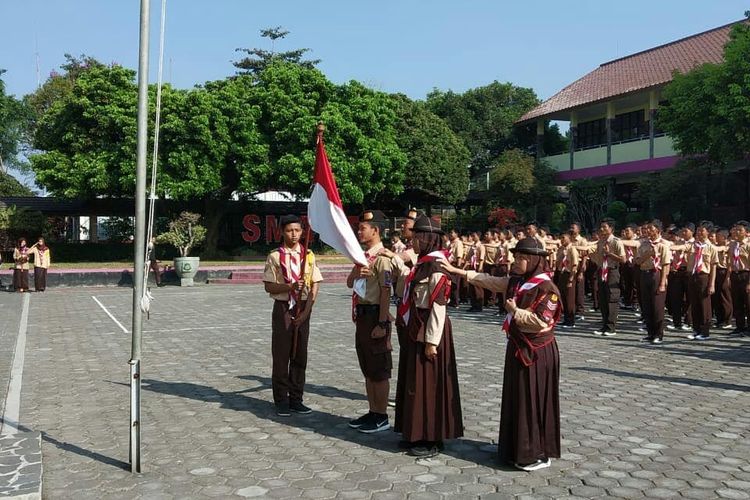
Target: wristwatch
x=384, y=324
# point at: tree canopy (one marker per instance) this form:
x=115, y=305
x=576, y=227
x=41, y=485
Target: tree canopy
x=484, y=119
x=14, y=117
x=257, y=59
x=707, y=110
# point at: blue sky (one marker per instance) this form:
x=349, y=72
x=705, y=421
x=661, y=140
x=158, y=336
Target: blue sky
x=397, y=46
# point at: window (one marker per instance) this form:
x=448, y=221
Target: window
x=590, y=134
x=629, y=126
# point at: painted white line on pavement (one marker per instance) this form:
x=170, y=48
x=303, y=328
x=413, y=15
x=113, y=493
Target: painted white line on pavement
x=12, y=407
x=110, y=315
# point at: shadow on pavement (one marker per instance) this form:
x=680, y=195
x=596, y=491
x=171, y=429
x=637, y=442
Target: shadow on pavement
x=678, y=380
x=320, y=390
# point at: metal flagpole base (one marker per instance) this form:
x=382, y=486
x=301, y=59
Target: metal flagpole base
x=135, y=415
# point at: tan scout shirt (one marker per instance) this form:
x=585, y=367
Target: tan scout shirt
x=272, y=273
x=42, y=259
x=527, y=321
x=22, y=261
x=739, y=255
x=570, y=256
x=490, y=253
x=722, y=253
x=710, y=257
x=381, y=276
x=457, y=251
x=651, y=253
x=615, y=247
x=423, y=290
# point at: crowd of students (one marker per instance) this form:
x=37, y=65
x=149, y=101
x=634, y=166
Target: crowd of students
x=696, y=275
x=24, y=256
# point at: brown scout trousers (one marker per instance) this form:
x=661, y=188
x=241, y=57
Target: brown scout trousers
x=288, y=375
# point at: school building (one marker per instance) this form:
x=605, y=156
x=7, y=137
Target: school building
x=612, y=110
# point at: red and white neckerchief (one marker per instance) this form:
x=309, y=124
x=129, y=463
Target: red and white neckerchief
x=604, y=271
x=355, y=296
x=564, y=263
x=405, y=305
x=698, y=265
x=656, y=257
x=474, y=257
x=529, y=285
x=679, y=262
x=629, y=255
x=736, y=262
x=291, y=268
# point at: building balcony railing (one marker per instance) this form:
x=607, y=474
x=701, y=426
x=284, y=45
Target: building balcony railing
x=622, y=151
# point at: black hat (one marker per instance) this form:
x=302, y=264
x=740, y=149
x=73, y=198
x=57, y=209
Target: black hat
x=289, y=219
x=424, y=224
x=742, y=223
x=690, y=226
x=373, y=216
x=530, y=246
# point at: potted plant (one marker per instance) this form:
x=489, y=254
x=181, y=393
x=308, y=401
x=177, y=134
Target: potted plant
x=184, y=233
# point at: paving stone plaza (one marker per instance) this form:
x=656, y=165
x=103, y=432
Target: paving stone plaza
x=637, y=420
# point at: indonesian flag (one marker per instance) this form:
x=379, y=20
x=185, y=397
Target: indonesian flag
x=326, y=213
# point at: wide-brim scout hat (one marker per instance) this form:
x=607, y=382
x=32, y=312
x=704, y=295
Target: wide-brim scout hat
x=424, y=224
x=372, y=216
x=530, y=246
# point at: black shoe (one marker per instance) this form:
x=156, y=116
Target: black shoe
x=424, y=451
x=406, y=445
x=376, y=423
x=359, y=422
x=737, y=331
x=282, y=410
x=298, y=407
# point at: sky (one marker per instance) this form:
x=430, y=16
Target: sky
x=404, y=46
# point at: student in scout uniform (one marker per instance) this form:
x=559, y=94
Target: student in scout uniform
x=653, y=258
x=373, y=322
x=476, y=263
x=530, y=414
x=722, y=299
x=679, y=279
x=491, y=248
x=630, y=272
x=432, y=403
x=701, y=259
x=456, y=257
x=610, y=254
x=21, y=256
x=579, y=241
x=739, y=259
x=567, y=263
x=294, y=295
x=42, y=261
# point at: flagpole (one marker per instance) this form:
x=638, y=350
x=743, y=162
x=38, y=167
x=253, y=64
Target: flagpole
x=140, y=241
x=308, y=236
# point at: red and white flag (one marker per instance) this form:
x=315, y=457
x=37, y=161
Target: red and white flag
x=326, y=213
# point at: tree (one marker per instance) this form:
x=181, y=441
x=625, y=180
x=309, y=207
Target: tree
x=9, y=186
x=258, y=60
x=707, y=110
x=14, y=118
x=436, y=157
x=587, y=203
x=484, y=118
x=517, y=180
x=87, y=137
x=502, y=217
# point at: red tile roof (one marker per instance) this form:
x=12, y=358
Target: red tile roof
x=638, y=71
